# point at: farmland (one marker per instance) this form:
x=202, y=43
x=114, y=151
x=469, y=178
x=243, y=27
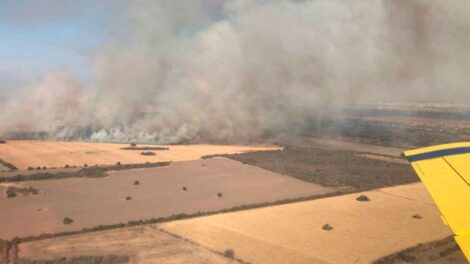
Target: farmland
x=50, y=154
x=184, y=187
x=246, y=204
x=140, y=244
x=362, y=231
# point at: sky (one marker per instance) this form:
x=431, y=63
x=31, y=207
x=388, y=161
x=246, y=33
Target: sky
x=42, y=36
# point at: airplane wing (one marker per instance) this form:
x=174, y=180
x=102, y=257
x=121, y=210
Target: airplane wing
x=445, y=172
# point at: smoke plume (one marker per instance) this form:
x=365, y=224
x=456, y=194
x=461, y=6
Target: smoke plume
x=196, y=70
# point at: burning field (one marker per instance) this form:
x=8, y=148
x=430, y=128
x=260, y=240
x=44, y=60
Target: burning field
x=210, y=131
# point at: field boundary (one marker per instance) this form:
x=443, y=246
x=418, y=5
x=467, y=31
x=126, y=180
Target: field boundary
x=8, y=165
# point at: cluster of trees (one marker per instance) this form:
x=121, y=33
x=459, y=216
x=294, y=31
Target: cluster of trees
x=90, y=172
x=147, y=153
x=13, y=191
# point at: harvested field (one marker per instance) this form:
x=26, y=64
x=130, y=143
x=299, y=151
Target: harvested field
x=99, y=201
x=143, y=244
x=361, y=231
x=331, y=167
x=24, y=154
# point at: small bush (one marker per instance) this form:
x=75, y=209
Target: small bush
x=67, y=166
x=44, y=168
x=147, y=153
x=417, y=216
x=184, y=188
x=219, y=195
x=2, y=141
x=136, y=182
x=363, y=198
x=67, y=221
x=327, y=227
x=128, y=198
x=10, y=193
x=229, y=253
x=133, y=144
x=85, y=165
x=118, y=163
x=38, y=168
x=30, y=168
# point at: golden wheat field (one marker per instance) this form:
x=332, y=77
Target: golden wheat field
x=362, y=231
x=24, y=154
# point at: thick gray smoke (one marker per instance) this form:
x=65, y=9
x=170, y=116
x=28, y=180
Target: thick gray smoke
x=234, y=70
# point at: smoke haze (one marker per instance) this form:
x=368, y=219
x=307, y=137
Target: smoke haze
x=197, y=70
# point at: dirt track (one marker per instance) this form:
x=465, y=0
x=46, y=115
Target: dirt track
x=24, y=154
x=100, y=201
x=362, y=231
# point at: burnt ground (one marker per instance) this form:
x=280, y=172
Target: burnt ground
x=330, y=167
x=397, y=125
x=443, y=251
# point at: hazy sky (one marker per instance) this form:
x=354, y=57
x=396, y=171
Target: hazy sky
x=40, y=36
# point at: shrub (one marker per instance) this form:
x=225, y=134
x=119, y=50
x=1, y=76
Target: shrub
x=229, y=253
x=128, y=198
x=85, y=165
x=147, y=153
x=10, y=193
x=327, y=227
x=362, y=198
x=118, y=163
x=133, y=144
x=30, y=168
x=2, y=141
x=67, y=221
x=184, y=188
x=417, y=216
x=67, y=166
x=219, y=195
x=136, y=182
x=38, y=168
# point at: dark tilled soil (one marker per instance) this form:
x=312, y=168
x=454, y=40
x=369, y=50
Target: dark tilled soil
x=443, y=251
x=330, y=167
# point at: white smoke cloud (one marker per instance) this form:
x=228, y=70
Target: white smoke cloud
x=234, y=70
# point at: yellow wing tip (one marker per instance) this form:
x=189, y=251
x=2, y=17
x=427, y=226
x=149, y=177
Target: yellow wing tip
x=419, y=151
